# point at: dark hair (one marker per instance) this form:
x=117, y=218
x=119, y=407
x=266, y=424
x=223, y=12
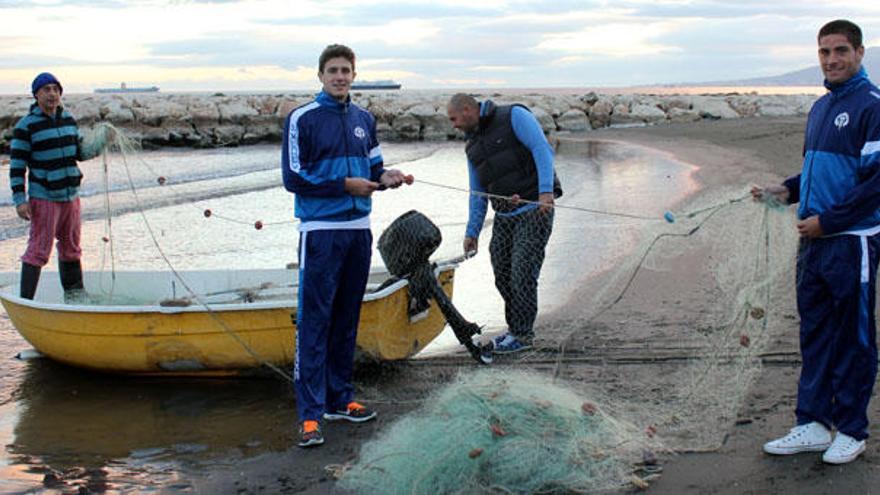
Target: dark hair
x=842, y=26
x=333, y=51
x=460, y=101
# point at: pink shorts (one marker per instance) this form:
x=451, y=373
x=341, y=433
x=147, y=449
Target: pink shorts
x=53, y=220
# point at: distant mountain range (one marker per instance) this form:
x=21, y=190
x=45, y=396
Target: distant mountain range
x=811, y=76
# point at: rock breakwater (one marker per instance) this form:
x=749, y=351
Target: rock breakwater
x=207, y=121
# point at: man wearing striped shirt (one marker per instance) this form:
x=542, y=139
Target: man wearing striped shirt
x=45, y=178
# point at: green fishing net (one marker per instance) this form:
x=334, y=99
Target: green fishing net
x=503, y=431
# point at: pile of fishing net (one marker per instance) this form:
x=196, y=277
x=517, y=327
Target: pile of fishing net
x=501, y=430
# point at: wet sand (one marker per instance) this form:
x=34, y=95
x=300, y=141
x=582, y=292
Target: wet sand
x=728, y=153
x=755, y=151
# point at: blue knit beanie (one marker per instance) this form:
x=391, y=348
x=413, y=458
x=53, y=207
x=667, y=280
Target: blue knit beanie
x=43, y=79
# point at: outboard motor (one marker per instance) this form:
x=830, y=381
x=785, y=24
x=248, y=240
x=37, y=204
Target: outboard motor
x=406, y=246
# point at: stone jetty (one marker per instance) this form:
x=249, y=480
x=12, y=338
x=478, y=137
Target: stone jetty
x=208, y=121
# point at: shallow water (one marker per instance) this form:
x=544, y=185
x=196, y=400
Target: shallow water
x=66, y=428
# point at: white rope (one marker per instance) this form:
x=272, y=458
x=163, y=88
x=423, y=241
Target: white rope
x=123, y=144
x=108, y=227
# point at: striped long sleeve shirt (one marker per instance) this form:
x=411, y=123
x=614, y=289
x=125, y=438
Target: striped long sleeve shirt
x=45, y=150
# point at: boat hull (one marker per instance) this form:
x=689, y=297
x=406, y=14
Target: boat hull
x=211, y=338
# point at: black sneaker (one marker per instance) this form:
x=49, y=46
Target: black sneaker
x=355, y=413
x=311, y=434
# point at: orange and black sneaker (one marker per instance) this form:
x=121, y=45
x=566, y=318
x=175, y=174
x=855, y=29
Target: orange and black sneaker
x=311, y=434
x=354, y=412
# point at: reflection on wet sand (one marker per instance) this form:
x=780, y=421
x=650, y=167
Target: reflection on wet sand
x=102, y=432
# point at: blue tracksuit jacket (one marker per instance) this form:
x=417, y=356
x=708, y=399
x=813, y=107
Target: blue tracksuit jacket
x=326, y=141
x=840, y=180
x=836, y=274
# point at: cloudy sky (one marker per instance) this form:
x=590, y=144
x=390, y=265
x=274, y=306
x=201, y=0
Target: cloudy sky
x=243, y=45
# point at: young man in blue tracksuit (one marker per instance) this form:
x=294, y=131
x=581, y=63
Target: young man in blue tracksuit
x=509, y=157
x=332, y=162
x=839, y=195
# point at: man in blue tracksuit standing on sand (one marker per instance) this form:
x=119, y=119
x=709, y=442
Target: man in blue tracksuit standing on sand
x=509, y=159
x=839, y=195
x=332, y=162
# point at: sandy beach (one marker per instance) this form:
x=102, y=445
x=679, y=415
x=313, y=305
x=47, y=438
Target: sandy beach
x=729, y=153
x=747, y=151
x=636, y=351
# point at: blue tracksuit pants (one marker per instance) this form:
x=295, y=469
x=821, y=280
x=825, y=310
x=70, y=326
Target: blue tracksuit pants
x=334, y=266
x=836, y=279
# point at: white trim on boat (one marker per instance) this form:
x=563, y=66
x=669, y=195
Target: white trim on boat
x=195, y=306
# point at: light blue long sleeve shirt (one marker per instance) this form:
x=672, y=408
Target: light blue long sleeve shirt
x=528, y=130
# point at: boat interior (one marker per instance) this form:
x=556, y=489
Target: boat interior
x=277, y=287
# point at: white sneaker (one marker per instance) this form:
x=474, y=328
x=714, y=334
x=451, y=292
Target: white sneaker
x=844, y=449
x=811, y=437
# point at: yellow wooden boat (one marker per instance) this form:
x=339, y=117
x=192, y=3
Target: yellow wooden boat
x=150, y=322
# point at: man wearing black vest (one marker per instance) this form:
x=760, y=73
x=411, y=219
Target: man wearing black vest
x=510, y=164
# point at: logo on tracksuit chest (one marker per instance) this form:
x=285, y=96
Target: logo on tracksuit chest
x=359, y=132
x=841, y=120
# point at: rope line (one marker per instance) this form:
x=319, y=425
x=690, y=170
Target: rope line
x=123, y=144
x=121, y=141
x=526, y=201
x=712, y=211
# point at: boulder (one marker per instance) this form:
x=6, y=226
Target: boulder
x=600, y=113
x=713, y=107
x=406, y=126
x=669, y=103
x=780, y=106
x=160, y=111
x=744, y=105
x=647, y=113
x=434, y=124
x=385, y=132
x=227, y=135
x=182, y=136
x=590, y=98
x=574, y=121
x=545, y=119
x=86, y=111
x=620, y=116
x=204, y=113
x=287, y=104
x=13, y=109
x=116, y=111
x=680, y=115
x=264, y=104
x=236, y=111
x=262, y=132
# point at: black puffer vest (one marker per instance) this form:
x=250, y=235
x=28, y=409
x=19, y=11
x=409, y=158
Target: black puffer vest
x=504, y=166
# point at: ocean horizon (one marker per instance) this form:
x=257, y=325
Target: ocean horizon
x=658, y=89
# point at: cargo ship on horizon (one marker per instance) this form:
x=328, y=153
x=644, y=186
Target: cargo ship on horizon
x=123, y=88
x=383, y=84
